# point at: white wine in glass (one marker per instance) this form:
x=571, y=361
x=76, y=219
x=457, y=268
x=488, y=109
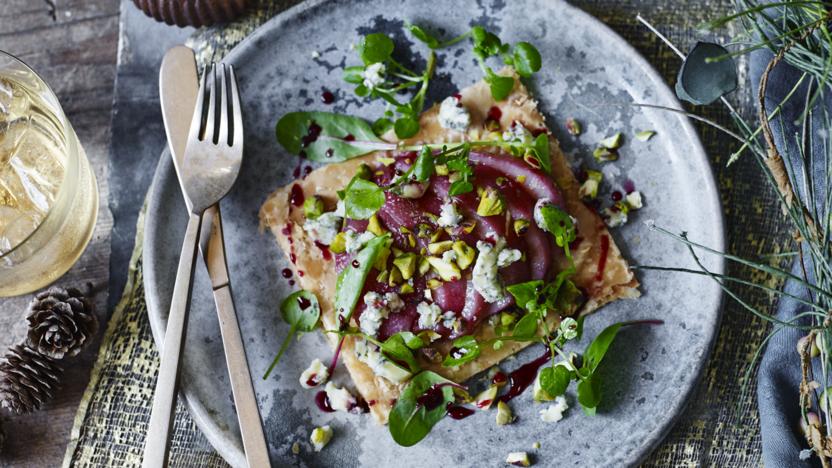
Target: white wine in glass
x=48, y=192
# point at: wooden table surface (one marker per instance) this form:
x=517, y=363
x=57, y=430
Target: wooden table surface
x=72, y=44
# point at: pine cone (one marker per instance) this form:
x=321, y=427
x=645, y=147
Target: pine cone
x=61, y=321
x=27, y=379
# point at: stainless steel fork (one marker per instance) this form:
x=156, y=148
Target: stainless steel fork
x=213, y=156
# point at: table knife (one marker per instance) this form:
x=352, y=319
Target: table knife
x=178, y=85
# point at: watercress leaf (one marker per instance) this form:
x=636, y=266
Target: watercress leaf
x=598, y=348
x=500, y=86
x=465, y=349
x=419, y=33
x=301, y=311
x=460, y=187
x=540, y=150
x=351, y=279
x=410, y=421
x=374, y=48
x=424, y=167
x=396, y=349
x=382, y=126
x=362, y=198
x=589, y=394
x=486, y=43
x=330, y=145
x=362, y=91
x=555, y=379
x=706, y=74
x=525, y=292
x=526, y=328
x=526, y=59
x=354, y=75
x=406, y=127
x=568, y=296
x=558, y=223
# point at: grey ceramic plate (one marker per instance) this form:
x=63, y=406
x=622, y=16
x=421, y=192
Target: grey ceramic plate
x=590, y=74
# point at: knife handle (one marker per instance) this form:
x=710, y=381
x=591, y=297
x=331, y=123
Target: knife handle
x=248, y=413
x=157, y=442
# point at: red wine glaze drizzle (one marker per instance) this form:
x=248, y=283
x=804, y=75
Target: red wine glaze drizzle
x=602, y=259
x=494, y=113
x=458, y=412
x=327, y=97
x=296, y=198
x=324, y=250
x=322, y=400
x=520, y=379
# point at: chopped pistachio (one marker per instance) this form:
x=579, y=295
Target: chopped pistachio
x=381, y=259
x=518, y=459
x=497, y=345
x=436, y=248
x=424, y=231
x=386, y=161
x=504, y=414
x=441, y=170
x=339, y=244
x=491, y=203
x=382, y=277
x=424, y=266
x=465, y=254
x=521, y=226
x=645, y=135
x=486, y=398
x=374, y=226
x=573, y=126
x=602, y=154
x=521, y=179
x=531, y=160
x=433, y=283
x=295, y=448
x=633, y=200
x=406, y=264
x=448, y=271
x=468, y=226
x=589, y=189
x=536, y=445
x=436, y=235
x=364, y=172
x=507, y=319
x=406, y=288
x=429, y=336
x=612, y=142
x=395, y=276
x=320, y=437
x=313, y=207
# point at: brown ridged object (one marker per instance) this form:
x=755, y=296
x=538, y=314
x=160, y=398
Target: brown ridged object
x=196, y=13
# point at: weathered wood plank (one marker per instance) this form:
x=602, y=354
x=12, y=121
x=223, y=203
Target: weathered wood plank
x=75, y=52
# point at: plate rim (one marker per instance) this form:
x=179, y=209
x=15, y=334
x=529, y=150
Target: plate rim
x=233, y=453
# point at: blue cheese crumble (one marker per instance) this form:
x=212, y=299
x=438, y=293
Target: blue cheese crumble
x=428, y=314
x=353, y=241
x=316, y=374
x=340, y=399
x=378, y=308
x=325, y=227
x=374, y=75
x=370, y=355
x=453, y=115
x=486, y=278
x=554, y=412
x=449, y=215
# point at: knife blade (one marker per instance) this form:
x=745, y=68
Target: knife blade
x=178, y=87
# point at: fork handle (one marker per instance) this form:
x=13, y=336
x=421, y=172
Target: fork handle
x=157, y=442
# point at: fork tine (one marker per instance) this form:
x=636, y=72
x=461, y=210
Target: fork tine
x=210, y=122
x=223, y=134
x=237, y=124
x=196, y=121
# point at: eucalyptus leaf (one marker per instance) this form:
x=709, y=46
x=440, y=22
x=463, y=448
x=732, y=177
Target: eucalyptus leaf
x=341, y=136
x=465, y=349
x=362, y=198
x=707, y=74
x=301, y=311
x=351, y=280
x=409, y=421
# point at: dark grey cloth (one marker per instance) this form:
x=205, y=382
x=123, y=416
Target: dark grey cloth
x=780, y=372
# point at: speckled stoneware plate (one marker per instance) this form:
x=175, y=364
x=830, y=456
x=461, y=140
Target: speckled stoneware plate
x=589, y=73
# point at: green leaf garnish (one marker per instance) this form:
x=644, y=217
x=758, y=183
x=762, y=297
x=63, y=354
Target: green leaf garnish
x=410, y=421
x=424, y=166
x=554, y=380
x=526, y=328
x=465, y=349
x=558, y=223
x=302, y=312
x=589, y=394
x=362, y=198
x=400, y=347
x=596, y=350
x=342, y=137
x=526, y=59
x=423, y=36
x=375, y=48
x=406, y=126
x=351, y=279
x=540, y=150
x=707, y=74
